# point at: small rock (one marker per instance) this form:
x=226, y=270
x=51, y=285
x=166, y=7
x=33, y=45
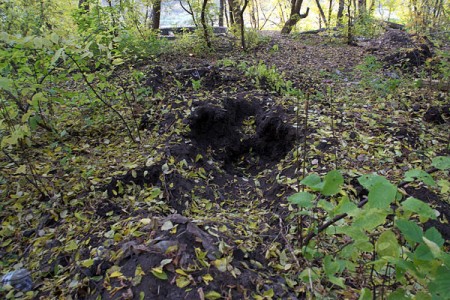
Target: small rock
x=19, y=279
x=164, y=245
x=392, y=75
x=361, y=157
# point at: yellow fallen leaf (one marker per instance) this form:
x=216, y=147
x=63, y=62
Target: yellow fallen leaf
x=212, y=295
x=116, y=274
x=146, y=221
x=182, y=281
x=181, y=272
x=22, y=169
x=221, y=264
x=207, y=278
x=87, y=263
x=139, y=271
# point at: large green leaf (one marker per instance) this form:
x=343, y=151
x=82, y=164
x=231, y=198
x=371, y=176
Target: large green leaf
x=312, y=181
x=387, y=244
x=366, y=294
x=410, y=230
x=440, y=285
x=302, y=199
x=339, y=281
x=441, y=162
x=446, y=259
x=419, y=207
x=6, y=83
x=330, y=266
x=398, y=294
x=420, y=175
x=345, y=206
x=434, y=235
x=382, y=194
x=370, y=218
x=434, y=248
x=402, y=265
x=369, y=180
x=332, y=183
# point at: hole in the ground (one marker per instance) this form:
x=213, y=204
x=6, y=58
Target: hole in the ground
x=242, y=134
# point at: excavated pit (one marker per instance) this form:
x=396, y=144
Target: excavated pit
x=242, y=134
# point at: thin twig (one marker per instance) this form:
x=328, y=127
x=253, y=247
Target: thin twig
x=99, y=97
x=288, y=244
x=305, y=130
x=298, y=141
x=33, y=183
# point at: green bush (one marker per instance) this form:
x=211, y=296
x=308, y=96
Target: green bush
x=381, y=238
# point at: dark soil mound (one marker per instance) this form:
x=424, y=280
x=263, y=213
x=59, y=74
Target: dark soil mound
x=395, y=39
x=400, y=49
x=222, y=129
x=166, y=267
x=436, y=114
x=239, y=135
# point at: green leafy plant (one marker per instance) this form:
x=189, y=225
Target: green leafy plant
x=34, y=106
x=226, y=62
x=196, y=84
x=190, y=43
x=382, y=234
x=371, y=79
x=438, y=68
x=267, y=77
x=254, y=38
x=367, y=26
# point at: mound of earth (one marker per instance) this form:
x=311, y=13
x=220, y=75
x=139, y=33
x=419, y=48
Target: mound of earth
x=239, y=136
x=397, y=48
x=176, y=258
x=437, y=115
x=222, y=128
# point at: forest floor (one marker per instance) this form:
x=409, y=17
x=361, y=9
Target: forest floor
x=198, y=208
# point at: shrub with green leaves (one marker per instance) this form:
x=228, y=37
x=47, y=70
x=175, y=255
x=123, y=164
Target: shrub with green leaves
x=267, y=77
x=34, y=74
x=381, y=238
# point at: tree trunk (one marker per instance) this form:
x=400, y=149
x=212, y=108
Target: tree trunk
x=221, y=12
x=190, y=11
x=256, y=7
x=231, y=12
x=203, y=21
x=372, y=7
x=322, y=14
x=330, y=10
x=235, y=11
x=296, y=6
x=156, y=20
x=362, y=7
x=350, y=40
x=225, y=12
x=340, y=14
x=253, y=15
x=241, y=17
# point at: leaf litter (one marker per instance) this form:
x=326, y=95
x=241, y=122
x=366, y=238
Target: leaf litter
x=199, y=210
